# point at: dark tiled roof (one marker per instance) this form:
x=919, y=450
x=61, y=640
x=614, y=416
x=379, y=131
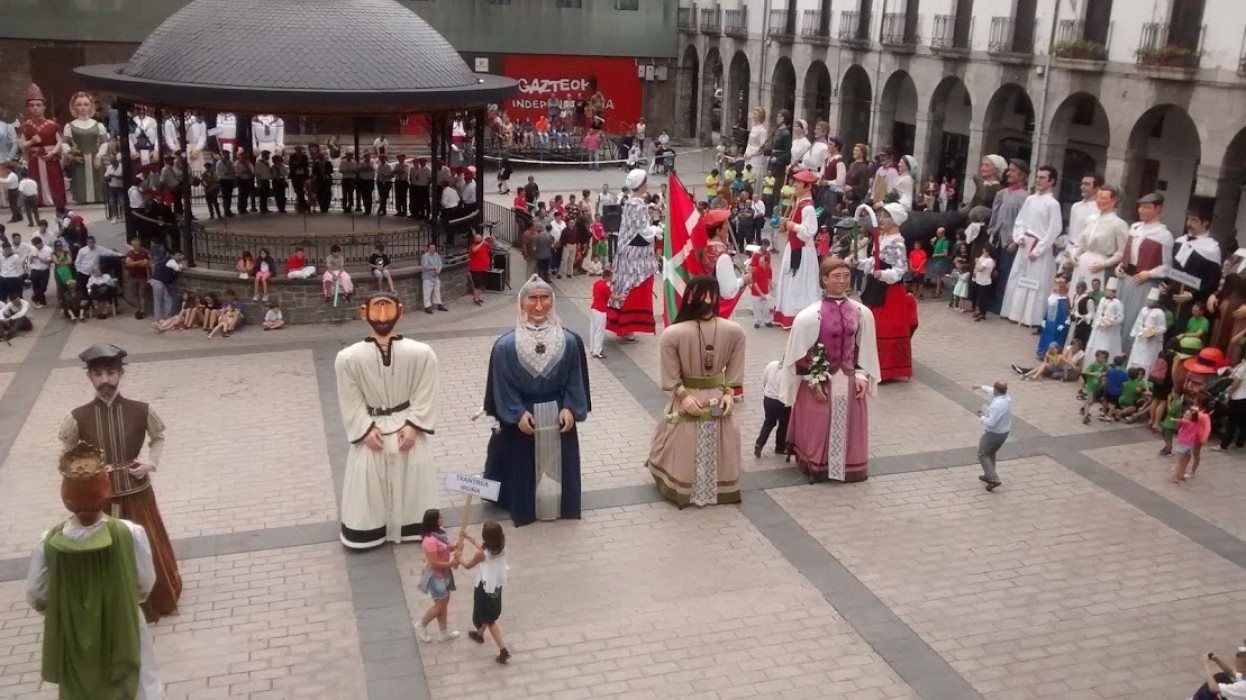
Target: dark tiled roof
x=339, y=45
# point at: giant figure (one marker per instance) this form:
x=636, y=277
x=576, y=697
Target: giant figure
x=40, y=139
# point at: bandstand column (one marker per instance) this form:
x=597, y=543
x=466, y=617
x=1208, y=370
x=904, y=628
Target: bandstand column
x=478, y=133
x=434, y=148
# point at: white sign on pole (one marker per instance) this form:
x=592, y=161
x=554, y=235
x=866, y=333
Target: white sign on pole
x=1184, y=278
x=473, y=486
x=1027, y=283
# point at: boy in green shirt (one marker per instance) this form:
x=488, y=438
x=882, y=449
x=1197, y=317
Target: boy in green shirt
x=1092, y=382
x=1176, y=405
x=1135, y=396
x=750, y=177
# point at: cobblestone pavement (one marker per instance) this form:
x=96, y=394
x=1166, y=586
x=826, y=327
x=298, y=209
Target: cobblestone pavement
x=1086, y=576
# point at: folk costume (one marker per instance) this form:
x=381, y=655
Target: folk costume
x=695, y=459
x=1149, y=249
x=631, y=288
x=1004, y=212
x=88, y=581
x=1105, y=333
x=1083, y=313
x=798, y=273
x=1055, y=323
x=40, y=138
x=1198, y=257
x=86, y=143
x=716, y=261
x=144, y=140
x=1035, y=230
x=118, y=428
x=1148, y=333
x=830, y=436
x=539, y=369
x=385, y=492
x=895, y=317
x=1100, y=241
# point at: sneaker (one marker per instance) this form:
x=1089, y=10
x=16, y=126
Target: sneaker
x=756, y=325
x=422, y=632
x=1165, y=451
x=448, y=635
x=503, y=656
x=1017, y=369
x=255, y=298
x=442, y=307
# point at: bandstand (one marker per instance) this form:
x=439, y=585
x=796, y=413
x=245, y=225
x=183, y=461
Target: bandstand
x=340, y=62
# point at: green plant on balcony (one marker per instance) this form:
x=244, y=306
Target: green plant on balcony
x=1168, y=55
x=1080, y=49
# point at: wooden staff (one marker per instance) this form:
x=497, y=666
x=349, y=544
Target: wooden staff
x=467, y=518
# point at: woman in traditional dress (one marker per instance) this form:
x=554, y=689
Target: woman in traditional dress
x=716, y=261
x=905, y=185
x=630, y=310
x=695, y=453
x=800, y=143
x=1097, y=249
x=894, y=317
x=87, y=141
x=829, y=368
x=798, y=275
x=1055, y=319
x=755, y=151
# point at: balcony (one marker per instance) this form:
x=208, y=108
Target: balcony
x=944, y=39
x=735, y=23
x=780, y=29
x=1166, y=56
x=898, y=34
x=711, y=21
x=854, y=29
x=1006, y=44
x=687, y=19
x=813, y=31
x=1076, y=48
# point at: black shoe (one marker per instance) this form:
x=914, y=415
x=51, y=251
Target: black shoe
x=984, y=480
x=757, y=451
x=476, y=637
x=442, y=307
x=428, y=310
x=992, y=485
x=503, y=656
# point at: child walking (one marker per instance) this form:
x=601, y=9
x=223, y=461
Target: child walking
x=1187, y=439
x=437, y=579
x=917, y=263
x=487, y=597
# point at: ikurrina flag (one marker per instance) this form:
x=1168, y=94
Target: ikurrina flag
x=683, y=248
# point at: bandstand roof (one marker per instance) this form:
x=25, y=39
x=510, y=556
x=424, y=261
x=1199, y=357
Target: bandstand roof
x=350, y=57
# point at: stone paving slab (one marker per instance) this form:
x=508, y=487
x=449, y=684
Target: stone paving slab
x=5, y=379
x=648, y=601
x=1051, y=579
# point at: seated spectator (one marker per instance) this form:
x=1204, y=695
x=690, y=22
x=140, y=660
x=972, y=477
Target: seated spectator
x=336, y=279
x=1223, y=682
x=229, y=317
x=274, y=320
x=73, y=303
x=263, y=270
x=297, y=267
x=380, y=268
x=102, y=291
x=14, y=317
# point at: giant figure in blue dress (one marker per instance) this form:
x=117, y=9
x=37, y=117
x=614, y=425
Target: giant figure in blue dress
x=1056, y=319
x=537, y=390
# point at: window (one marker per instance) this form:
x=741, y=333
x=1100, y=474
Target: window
x=632, y=5
x=571, y=4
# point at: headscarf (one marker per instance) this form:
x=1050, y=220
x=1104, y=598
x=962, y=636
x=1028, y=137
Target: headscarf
x=548, y=336
x=1000, y=166
x=912, y=163
x=636, y=178
x=897, y=212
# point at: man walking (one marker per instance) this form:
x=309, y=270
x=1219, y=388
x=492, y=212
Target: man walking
x=996, y=424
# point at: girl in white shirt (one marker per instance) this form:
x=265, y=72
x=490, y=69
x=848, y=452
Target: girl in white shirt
x=904, y=184
x=487, y=597
x=983, y=281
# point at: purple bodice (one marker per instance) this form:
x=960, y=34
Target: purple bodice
x=838, y=334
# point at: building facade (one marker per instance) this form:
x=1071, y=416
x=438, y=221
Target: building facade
x=1152, y=95
x=582, y=41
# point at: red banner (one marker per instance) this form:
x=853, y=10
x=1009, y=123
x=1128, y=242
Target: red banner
x=542, y=78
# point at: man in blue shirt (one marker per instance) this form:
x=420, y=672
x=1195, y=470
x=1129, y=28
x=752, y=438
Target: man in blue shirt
x=996, y=424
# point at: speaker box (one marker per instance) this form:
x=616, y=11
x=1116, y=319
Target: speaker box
x=495, y=280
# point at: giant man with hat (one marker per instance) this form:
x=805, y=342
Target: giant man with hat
x=118, y=427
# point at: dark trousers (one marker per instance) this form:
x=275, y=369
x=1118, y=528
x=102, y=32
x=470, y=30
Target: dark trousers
x=1236, y=424
x=15, y=206
x=982, y=297
x=9, y=285
x=227, y=194
x=279, y=194
x=324, y=195
x=776, y=415
x=348, y=194
x=214, y=204
x=401, y=191
x=266, y=191
x=382, y=196
x=39, y=286
x=419, y=201
x=365, y=196
x=300, y=195
x=246, y=188
x=988, y=447
x=31, y=206
x=542, y=268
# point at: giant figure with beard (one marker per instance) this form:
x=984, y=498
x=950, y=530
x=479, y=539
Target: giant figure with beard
x=118, y=427
x=387, y=390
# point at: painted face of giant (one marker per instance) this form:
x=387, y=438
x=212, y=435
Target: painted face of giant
x=836, y=281
x=36, y=109
x=382, y=313
x=82, y=106
x=106, y=380
x=537, y=305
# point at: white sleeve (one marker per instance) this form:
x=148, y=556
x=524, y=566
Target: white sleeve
x=841, y=174
x=144, y=567
x=728, y=283
x=808, y=228
x=37, y=576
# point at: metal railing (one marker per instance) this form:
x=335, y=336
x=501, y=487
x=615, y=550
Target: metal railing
x=811, y=25
x=896, y=30
x=1157, y=47
x=1072, y=42
x=779, y=27
x=687, y=18
x=711, y=20
x=943, y=32
x=854, y=26
x=1004, y=37
x=735, y=23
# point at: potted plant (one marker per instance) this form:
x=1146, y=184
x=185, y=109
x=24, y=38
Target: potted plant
x=1168, y=56
x=1080, y=49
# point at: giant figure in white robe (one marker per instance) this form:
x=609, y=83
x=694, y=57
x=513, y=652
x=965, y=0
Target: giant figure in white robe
x=1033, y=269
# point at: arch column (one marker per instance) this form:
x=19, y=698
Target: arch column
x=921, y=127
x=977, y=135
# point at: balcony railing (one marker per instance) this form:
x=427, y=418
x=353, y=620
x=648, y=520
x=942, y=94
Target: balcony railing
x=735, y=23
x=1073, y=43
x=1159, y=49
x=854, y=27
x=811, y=28
x=1241, y=60
x=711, y=20
x=687, y=19
x=1004, y=37
x=779, y=28
x=897, y=32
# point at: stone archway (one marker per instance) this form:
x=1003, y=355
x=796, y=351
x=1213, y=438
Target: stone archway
x=739, y=91
x=1009, y=124
x=783, y=88
x=1229, y=214
x=1078, y=141
x=687, y=92
x=897, y=116
x=951, y=113
x=711, y=97
x=855, y=96
x=1162, y=155
x=817, y=103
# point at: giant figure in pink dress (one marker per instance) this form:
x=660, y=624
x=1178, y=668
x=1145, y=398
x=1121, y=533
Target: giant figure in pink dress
x=40, y=138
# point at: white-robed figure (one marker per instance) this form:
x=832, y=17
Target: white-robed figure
x=801, y=144
x=196, y=139
x=144, y=137
x=1098, y=245
x=87, y=577
x=387, y=390
x=1148, y=333
x=1105, y=333
x=798, y=274
x=268, y=133
x=819, y=152
x=226, y=133
x=755, y=151
x=1034, y=268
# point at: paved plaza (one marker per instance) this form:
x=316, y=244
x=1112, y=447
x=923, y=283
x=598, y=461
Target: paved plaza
x=1086, y=575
